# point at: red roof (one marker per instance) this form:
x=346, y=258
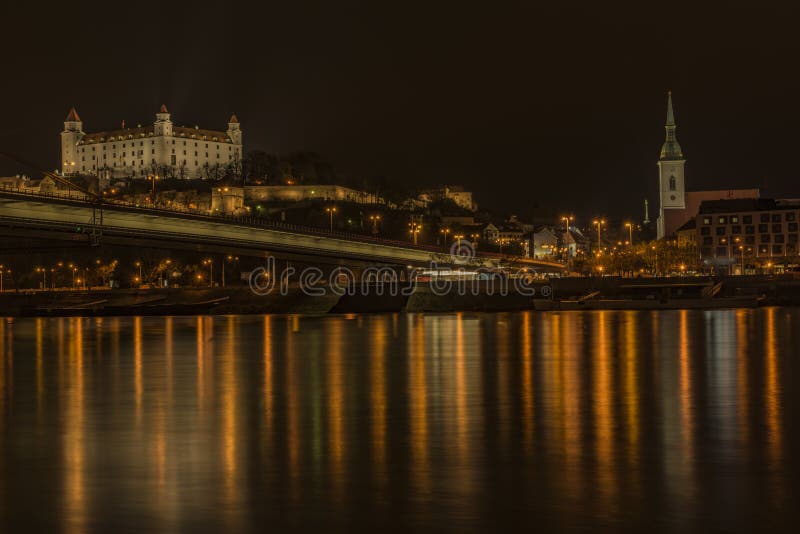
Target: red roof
x=73, y=115
x=163, y=109
x=233, y=119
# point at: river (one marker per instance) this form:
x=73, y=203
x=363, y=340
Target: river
x=617, y=421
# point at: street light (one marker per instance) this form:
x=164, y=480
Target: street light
x=630, y=231
x=139, y=265
x=331, y=210
x=445, y=231
x=210, y=263
x=229, y=259
x=599, y=223
x=375, y=220
x=566, y=219
x=414, y=229
x=44, y=277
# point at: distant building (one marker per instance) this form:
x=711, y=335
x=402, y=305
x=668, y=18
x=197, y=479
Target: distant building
x=296, y=193
x=760, y=229
x=227, y=200
x=687, y=234
x=160, y=148
x=455, y=193
x=677, y=206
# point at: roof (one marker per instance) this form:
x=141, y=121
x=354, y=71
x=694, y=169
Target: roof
x=149, y=131
x=72, y=116
x=233, y=119
x=670, y=150
x=741, y=204
x=163, y=109
x=691, y=224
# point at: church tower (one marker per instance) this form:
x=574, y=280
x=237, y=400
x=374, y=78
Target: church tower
x=672, y=190
x=73, y=132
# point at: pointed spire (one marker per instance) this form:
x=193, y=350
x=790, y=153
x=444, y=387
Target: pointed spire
x=670, y=113
x=233, y=119
x=163, y=109
x=73, y=115
x=670, y=149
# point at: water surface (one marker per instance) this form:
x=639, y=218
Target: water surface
x=672, y=420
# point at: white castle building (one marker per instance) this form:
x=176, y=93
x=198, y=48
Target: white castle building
x=160, y=148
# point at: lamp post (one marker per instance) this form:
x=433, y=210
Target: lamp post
x=139, y=265
x=630, y=232
x=210, y=263
x=229, y=259
x=44, y=277
x=414, y=229
x=331, y=210
x=375, y=220
x=566, y=219
x=599, y=223
x=445, y=231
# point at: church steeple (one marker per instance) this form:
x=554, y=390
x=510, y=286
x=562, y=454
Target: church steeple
x=670, y=150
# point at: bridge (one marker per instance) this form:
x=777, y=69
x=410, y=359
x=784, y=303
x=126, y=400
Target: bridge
x=76, y=219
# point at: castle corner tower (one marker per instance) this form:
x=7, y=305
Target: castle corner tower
x=72, y=134
x=672, y=186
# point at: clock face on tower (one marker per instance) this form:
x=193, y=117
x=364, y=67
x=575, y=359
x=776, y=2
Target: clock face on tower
x=672, y=197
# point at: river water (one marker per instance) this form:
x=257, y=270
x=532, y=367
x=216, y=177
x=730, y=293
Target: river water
x=617, y=421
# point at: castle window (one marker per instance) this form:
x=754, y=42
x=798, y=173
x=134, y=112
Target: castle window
x=673, y=184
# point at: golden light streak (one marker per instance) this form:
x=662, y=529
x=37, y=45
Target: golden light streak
x=379, y=341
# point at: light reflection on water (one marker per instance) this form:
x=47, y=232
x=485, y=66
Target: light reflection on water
x=459, y=422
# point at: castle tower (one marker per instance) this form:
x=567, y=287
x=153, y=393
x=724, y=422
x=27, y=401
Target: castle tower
x=672, y=190
x=163, y=125
x=234, y=131
x=73, y=132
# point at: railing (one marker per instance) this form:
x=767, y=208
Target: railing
x=251, y=221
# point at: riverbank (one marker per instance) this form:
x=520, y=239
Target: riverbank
x=683, y=292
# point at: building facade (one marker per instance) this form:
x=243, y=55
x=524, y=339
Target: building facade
x=297, y=193
x=748, y=231
x=161, y=148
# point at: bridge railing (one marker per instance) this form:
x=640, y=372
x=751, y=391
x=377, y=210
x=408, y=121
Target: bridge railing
x=251, y=221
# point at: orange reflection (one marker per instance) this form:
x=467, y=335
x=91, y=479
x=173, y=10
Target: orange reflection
x=379, y=342
x=75, y=502
x=772, y=392
x=418, y=409
x=742, y=327
x=292, y=415
x=39, y=368
x=630, y=362
x=137, y=367
x=229, y=383
x=604, y=394
x=527, y=381
x=336, y=406
x=268, y=391
x=503, y=356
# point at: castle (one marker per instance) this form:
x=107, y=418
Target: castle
x=158, y=149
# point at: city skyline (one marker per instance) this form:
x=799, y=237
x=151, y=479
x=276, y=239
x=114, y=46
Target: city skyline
x=488, y=106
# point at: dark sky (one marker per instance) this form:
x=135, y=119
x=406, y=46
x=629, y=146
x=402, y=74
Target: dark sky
x=563, y=108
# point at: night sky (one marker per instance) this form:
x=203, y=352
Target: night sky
x=561, y=109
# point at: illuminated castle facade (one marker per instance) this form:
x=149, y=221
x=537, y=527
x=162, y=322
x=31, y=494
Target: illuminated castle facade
x=160, y=148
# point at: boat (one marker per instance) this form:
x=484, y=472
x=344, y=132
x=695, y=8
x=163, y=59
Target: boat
x=648, y=304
